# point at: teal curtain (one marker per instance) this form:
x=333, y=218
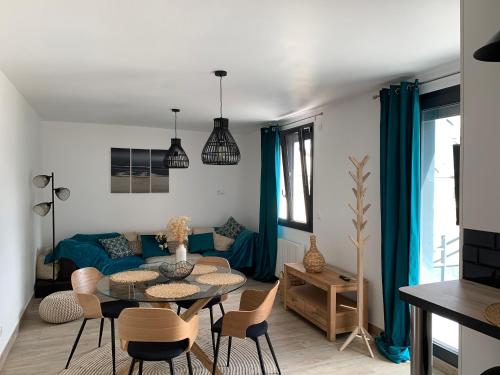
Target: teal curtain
x=269, y=188
x=400, y=211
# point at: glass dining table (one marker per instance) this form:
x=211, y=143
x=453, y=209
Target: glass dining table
x=137, y=292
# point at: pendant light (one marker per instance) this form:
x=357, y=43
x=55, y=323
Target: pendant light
x=221, y=148
x=490, y=51
x=176, y=157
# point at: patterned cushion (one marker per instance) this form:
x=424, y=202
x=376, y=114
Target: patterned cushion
x=117, y=247
x=231, y=229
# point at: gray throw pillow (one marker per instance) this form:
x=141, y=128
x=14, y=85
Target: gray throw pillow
x=231, y=229
x=117, y=247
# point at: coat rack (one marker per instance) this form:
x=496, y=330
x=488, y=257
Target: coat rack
x=360, y=224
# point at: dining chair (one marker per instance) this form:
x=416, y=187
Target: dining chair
x=248, y=322
x=209, y=261
x=84, y=283
x=156, y=334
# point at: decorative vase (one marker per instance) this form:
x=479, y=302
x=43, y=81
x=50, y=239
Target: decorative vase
x=181, y=253
x=313, y=260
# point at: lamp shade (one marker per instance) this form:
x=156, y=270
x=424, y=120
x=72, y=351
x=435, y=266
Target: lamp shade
x=490, y=51
x=176, y=157
x=62, y=193
x=221, y=148
x=42, y=209
x=41, y=180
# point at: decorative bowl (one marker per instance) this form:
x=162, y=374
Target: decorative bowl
x=176, y=271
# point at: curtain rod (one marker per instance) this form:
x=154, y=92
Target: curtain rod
x=302, y=119
x=428, y=81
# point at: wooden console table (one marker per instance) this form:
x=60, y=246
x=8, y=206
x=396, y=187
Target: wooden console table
x=320, y=299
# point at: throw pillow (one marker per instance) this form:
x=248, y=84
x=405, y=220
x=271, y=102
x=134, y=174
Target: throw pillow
x=151, y=247
x=117, y=247
x=222, y=243
x=231, y=228
x=199, y=243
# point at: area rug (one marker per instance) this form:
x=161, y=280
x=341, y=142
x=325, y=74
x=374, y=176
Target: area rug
x=244, y=360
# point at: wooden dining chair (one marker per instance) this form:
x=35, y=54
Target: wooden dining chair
x=156, y=334
x=249, y=321
x=209, y=261
x=84, y=283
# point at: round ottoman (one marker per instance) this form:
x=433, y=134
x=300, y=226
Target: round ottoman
x=60, y=307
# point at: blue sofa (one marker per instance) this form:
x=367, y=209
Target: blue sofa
x=84, y=250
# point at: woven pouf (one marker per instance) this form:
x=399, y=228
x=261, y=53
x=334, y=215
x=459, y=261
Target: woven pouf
x=60, y=307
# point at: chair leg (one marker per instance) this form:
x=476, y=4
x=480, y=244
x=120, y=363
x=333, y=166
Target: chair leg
x=141, y=364
x=131, y=369
x=171, y=366
x=212, y=327
x=190, y=364
x=178, y=310
x=272, y=352
x=259, y=352
x=100, y=332
x=113, y=345
x=216, y=354
x=229, y=342
x=222, y=309
x=76, y=341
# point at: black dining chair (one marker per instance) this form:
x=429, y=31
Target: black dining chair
x=248, y=322
x=84, y=283
x=209, y=261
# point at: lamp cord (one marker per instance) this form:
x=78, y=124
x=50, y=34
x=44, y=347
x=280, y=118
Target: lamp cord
x=175, y=124
x=220, y=96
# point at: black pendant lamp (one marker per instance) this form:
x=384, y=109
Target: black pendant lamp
x=221, y=148
x=491, y=51
x=176, y=157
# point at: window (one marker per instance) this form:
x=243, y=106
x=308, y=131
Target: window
x=296, y=181
x=439, y=246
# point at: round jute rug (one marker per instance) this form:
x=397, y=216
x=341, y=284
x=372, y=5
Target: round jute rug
x=244, y=360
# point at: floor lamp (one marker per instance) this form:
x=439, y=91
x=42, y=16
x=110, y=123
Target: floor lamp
x=42, y=209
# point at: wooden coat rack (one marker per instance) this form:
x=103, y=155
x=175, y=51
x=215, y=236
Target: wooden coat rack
x=359, y=223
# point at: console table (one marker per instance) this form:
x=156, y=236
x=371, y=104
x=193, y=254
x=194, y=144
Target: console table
x=321, y=300
x=460, y=300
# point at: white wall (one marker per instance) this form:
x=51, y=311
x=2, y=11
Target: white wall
x=348, y=127
x=19, y=228
x=79, y=155
x=481, y=153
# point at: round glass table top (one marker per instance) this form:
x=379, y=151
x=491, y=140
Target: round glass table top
x=137, y=291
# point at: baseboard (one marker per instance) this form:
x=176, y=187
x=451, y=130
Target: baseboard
x=374, y=330
x=13, y=337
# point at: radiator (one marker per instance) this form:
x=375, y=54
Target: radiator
x=288, y=252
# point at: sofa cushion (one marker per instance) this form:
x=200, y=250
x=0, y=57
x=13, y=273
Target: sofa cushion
x=116, y=247
x=151, y=247
x=230, y=229
x=198, y=243
x=222, y=243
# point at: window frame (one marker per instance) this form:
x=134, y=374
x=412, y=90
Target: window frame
x=308, y=190
x=435, y=99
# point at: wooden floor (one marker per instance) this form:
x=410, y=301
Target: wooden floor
x=301, y=348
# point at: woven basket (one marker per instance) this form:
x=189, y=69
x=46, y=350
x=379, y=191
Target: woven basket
x=313, y=260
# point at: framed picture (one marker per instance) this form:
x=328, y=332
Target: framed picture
x=120, y=170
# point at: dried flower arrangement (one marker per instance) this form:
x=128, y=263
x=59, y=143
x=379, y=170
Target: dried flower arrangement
x=177, y=229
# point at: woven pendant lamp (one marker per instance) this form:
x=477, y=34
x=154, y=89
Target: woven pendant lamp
x=176, y=157
x=221, y=148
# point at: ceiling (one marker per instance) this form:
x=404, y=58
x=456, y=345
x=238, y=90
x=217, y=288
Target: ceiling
x=130, y=61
